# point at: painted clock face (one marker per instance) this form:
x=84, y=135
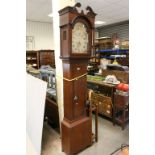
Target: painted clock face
x=79, y=38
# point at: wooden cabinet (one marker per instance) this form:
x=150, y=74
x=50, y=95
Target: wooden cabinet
x=121, y=109
x=46, y=57
x=39, y=58
x=106, y=90
x=106, y=107
x=51, y=112
x=32, y=58
x=104, y=98
x=104, y=104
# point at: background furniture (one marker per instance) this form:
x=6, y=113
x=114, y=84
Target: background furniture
x=92, y=66
x=51, y=112
x=122, y=55
x=103, y=43
x=104, y=97
x=93, y=109
x=121, y=109
x=122, y=76
x=51, y=107
x=46, y=57
x=39, y=58
x=32, y=58
x=105, y=91
x=46, y=73
x=119, y=55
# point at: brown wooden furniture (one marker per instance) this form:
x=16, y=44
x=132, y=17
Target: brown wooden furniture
x=39, y=58
x=32, y=58
x=51, y=106
x=103, y=43
x=123, y=61
x=106, y=92
x=51, y=112
x=122, y=76
x=94, y=109
x=76, y=33
x=121, y=109
x=46, y=57
x=104, y=98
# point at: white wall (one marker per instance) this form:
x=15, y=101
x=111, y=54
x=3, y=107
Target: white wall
x=43, y=34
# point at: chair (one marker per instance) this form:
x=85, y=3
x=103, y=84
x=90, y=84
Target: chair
x=93, y=108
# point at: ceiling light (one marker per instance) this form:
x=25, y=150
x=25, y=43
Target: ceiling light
x=50, y=15
x=99, y=22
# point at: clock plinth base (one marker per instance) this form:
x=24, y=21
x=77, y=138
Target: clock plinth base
x=76, y=136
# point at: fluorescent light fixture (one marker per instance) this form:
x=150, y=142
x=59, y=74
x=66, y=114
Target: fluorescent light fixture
x=98, y=22
x=50, y=15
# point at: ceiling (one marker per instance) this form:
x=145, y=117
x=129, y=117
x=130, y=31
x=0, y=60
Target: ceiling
x=109, y=11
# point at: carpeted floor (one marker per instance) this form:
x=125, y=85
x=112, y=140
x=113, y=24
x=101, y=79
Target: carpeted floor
x=110, y=138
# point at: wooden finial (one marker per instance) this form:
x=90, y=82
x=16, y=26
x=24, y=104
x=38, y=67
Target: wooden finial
x=90, y=11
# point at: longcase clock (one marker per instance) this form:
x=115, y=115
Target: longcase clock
x=77, y=37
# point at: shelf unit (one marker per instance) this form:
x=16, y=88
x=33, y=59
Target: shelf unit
x=94, y=66
x=39, y=58
x=103, y=43
x=32, y=58
x=111, y=51
x=122, y=55
x=100, y=43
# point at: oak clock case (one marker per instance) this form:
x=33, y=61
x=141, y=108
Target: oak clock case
x=76, y=34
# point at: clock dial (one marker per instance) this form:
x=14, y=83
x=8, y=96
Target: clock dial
x=79, y=38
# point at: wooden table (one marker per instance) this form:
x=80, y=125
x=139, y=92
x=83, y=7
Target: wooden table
x=101, y=83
